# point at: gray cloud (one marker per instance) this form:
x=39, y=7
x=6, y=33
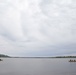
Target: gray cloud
x=28, y=27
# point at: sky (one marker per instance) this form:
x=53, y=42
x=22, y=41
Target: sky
x=38, y=27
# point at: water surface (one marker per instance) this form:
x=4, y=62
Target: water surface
x=37, y=66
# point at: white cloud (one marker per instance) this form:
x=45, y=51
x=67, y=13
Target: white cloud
x=30, y=25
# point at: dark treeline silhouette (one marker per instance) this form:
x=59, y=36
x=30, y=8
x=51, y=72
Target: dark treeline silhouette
x=65, y=57
x=2, y=55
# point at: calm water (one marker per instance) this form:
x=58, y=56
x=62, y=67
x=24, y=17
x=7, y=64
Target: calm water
x=37, y=66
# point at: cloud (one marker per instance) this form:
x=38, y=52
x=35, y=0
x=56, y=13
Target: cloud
x=31, y=26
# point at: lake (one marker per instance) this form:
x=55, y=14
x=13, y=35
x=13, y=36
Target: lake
x=37, y=66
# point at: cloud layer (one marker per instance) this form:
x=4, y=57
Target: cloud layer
x=37, y=27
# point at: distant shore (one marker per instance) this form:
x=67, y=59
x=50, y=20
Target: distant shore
x=48, y=57
x=6, y=56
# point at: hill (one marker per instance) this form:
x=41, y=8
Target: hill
x=2, y=55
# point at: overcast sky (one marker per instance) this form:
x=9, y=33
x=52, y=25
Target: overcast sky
x=38, y=27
